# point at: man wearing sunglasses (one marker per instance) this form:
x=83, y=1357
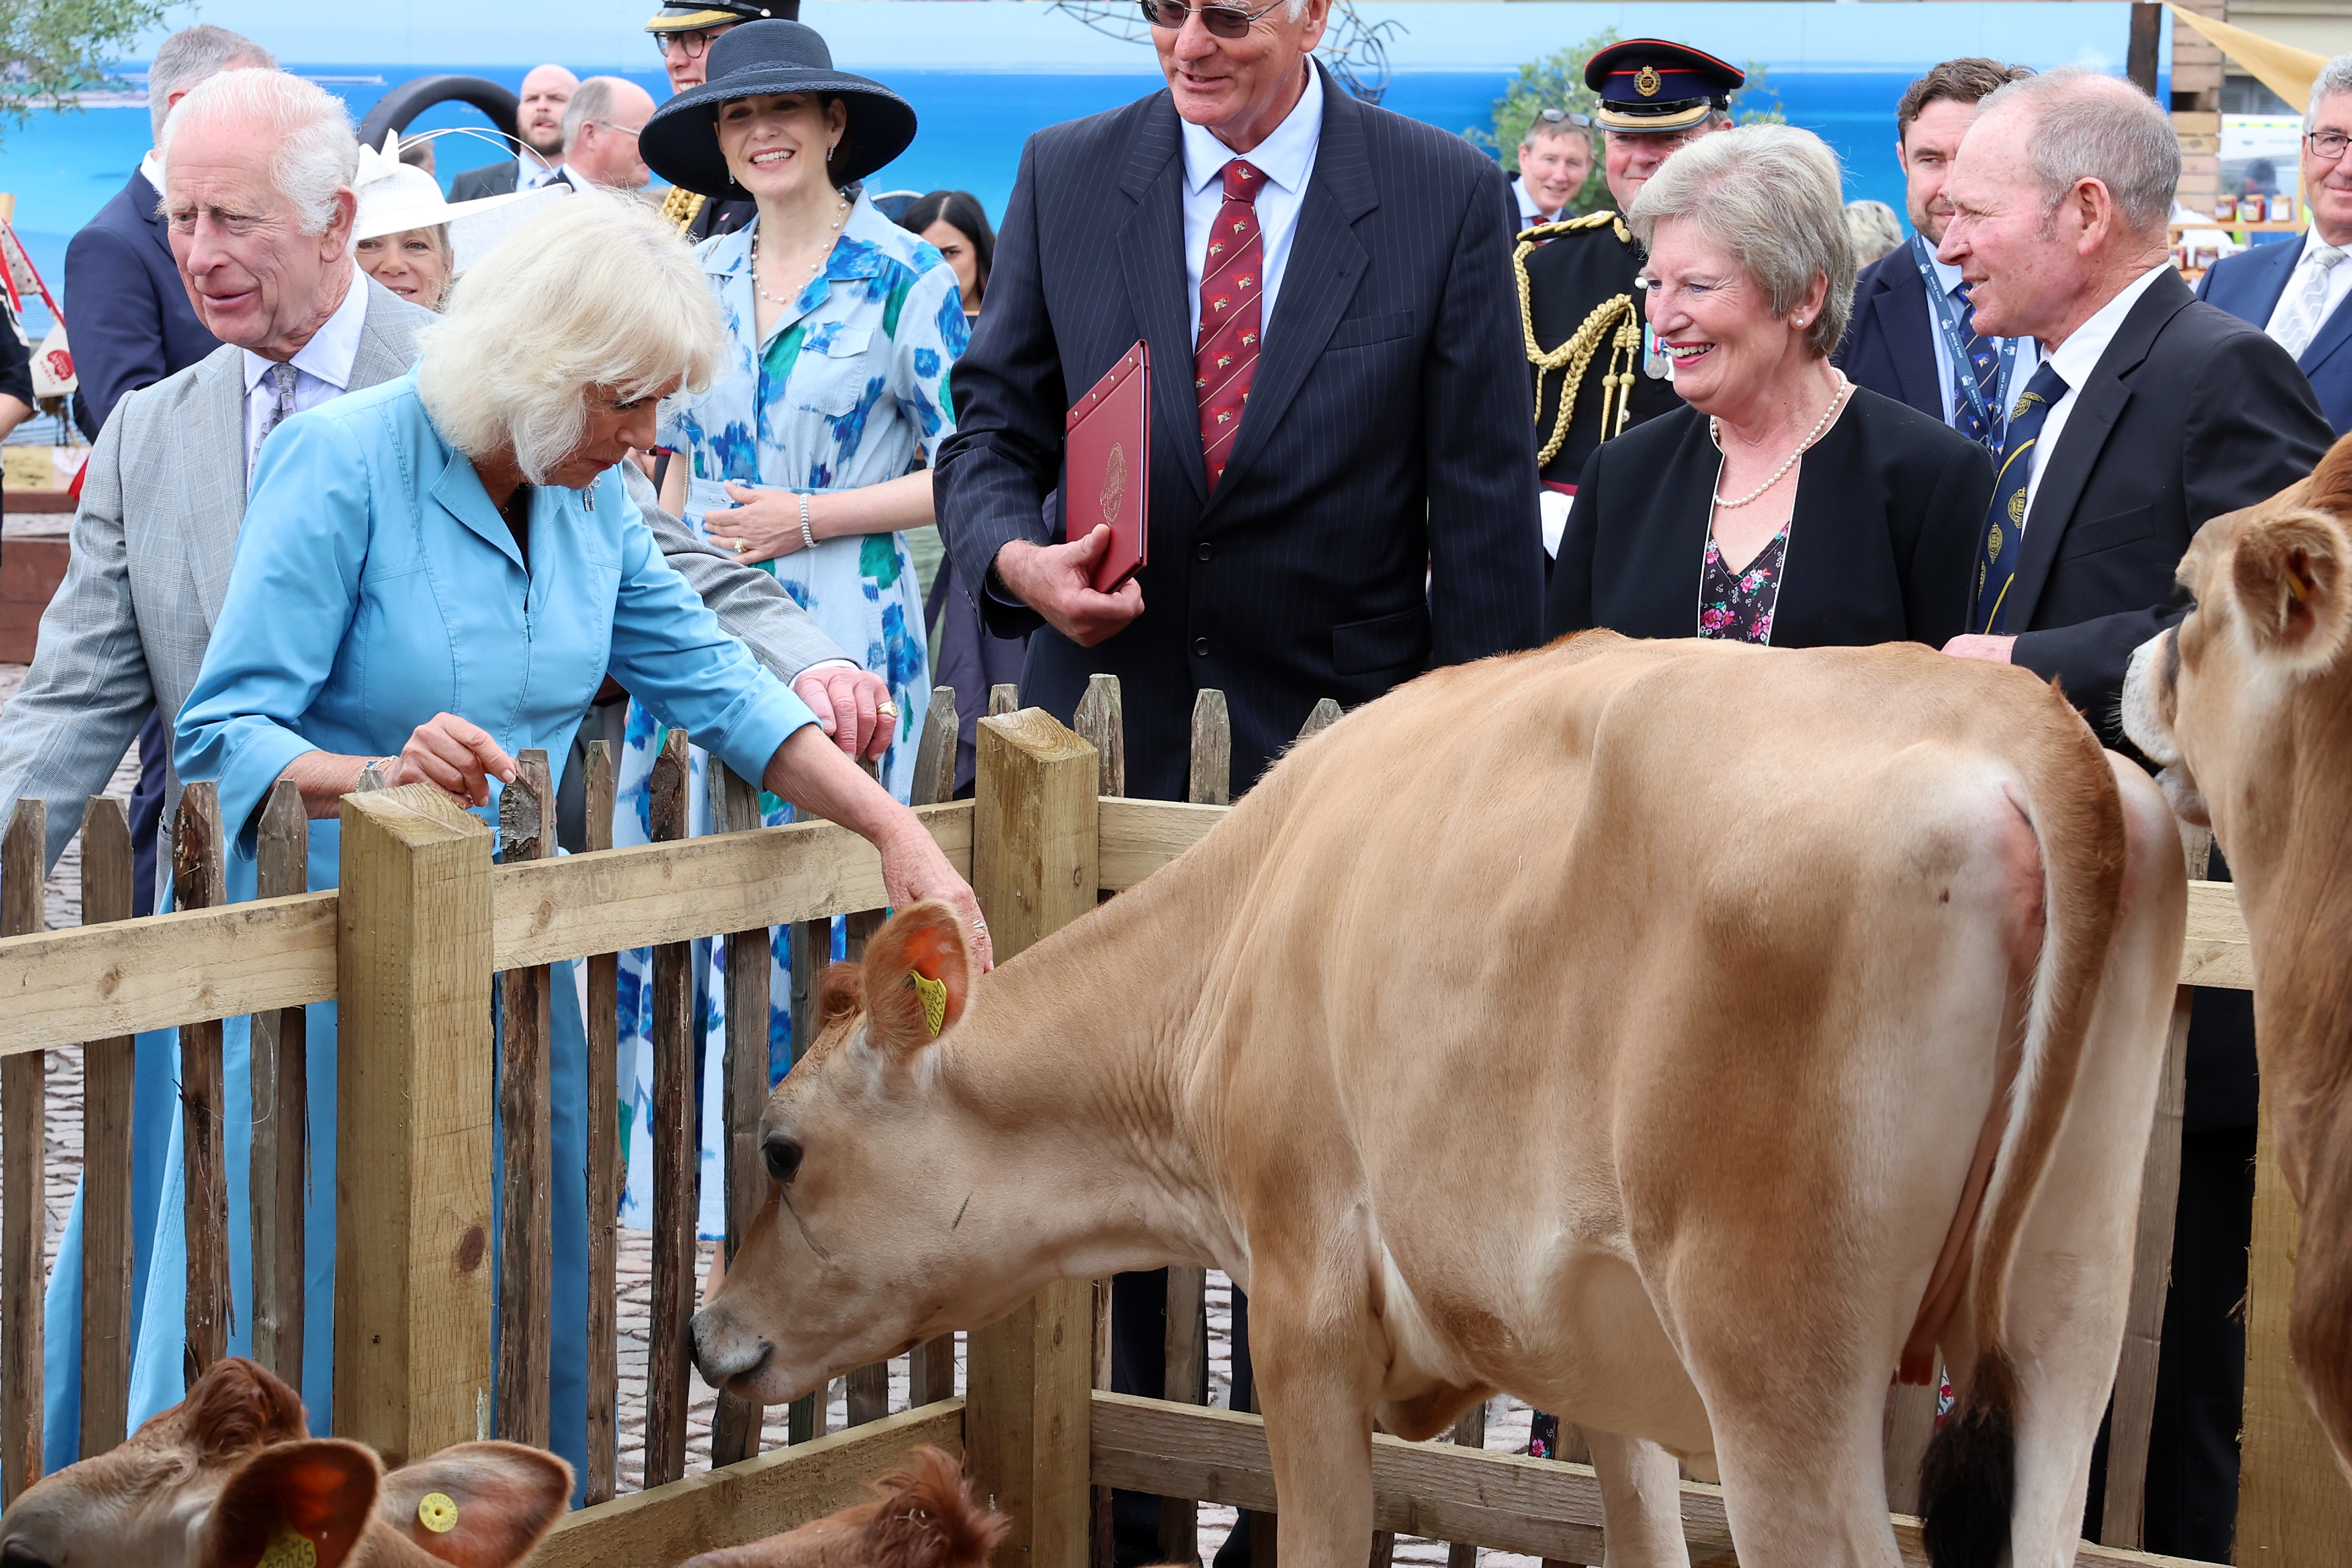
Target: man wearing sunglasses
x=1555, y=159
x=2296, y=291
x=1576, y=277
x=683, y=31
x=1341, y=482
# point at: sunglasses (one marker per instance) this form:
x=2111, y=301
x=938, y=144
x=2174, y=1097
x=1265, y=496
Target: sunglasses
x=1564, y=117
x=1222, y=21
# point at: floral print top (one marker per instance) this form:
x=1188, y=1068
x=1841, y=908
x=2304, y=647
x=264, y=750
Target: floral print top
x=849, y=388
x=1736, y=607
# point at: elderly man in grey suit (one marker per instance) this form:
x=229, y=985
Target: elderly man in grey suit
x=270, y=272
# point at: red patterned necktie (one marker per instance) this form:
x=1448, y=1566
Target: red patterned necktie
x=1224, y=357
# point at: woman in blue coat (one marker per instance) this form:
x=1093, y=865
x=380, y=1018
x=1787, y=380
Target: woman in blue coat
x=438, y=573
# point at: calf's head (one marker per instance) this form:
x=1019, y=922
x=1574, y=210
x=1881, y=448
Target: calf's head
x=874, y=1158
x=230, y=1478
x=2250, y=693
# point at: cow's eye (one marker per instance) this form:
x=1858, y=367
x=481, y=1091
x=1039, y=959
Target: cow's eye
x=784, y=1156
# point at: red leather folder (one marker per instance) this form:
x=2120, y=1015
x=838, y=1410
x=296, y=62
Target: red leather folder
x=1108, y=460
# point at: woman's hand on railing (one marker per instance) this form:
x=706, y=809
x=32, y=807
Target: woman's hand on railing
x=455, y=754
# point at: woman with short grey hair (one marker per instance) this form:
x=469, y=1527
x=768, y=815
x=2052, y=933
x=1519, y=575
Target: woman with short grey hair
x=1782, y=504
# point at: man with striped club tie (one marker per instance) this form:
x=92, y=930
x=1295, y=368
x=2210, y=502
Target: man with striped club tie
x=2150, y=413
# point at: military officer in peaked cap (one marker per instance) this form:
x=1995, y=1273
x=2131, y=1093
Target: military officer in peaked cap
x=682, y=30
x=1595, y=371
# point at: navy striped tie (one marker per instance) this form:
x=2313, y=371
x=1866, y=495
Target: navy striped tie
x=2005, y=518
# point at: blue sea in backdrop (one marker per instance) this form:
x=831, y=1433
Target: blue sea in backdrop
x=983, y=75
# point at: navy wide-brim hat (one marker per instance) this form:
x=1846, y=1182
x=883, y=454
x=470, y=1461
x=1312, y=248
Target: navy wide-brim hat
x=1649, y=84
x=756, y=59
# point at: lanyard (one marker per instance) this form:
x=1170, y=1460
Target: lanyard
x=1947, y=319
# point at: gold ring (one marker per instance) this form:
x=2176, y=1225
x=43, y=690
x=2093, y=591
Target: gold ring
x=887, y=710
x=741, y=545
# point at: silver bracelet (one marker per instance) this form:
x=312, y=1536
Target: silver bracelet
x=808, y=535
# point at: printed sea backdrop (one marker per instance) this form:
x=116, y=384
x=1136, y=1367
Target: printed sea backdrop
x=983, y=74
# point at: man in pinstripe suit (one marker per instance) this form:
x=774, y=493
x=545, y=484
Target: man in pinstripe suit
x=1343, y=474
x=1329, y=519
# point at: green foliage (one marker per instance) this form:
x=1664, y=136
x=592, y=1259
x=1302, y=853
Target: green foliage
x=50, y=50
x=1557, y=81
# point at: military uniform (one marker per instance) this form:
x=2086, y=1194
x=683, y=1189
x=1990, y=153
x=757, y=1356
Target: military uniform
x=696, y=216
x=1579, y=304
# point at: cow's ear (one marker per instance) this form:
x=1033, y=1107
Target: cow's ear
x=477, y=1505
x=2288, y=573
x=316, y=1494
x=917, y=977
x=2331, y=482
x=239, y=1405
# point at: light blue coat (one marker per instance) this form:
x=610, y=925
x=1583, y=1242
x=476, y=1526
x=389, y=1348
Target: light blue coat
x=376, y=586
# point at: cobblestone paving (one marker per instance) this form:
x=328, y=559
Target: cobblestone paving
x=1507, y=1421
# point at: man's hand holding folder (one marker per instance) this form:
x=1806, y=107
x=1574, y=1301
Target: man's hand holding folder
x=1058, y=582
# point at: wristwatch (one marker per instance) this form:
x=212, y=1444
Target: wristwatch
x=376, y=775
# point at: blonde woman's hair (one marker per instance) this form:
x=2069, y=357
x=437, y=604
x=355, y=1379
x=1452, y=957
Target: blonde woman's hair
x=596, y=291
x=1769, y=195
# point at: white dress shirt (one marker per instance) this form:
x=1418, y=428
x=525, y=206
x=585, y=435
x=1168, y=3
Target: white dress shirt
x=1287, y=158
x=2074, y=359
x=322, y=368
x=1529, y=214
x=2339, y=283
x=531, y=174
x=2028, y=353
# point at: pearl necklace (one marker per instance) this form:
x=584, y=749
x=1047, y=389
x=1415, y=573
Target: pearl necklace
x=1715, y=433
x=840, y=216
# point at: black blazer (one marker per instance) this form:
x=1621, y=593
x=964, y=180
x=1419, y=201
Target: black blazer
x=490, y=180
x=1889, y=345
x=2189, y=414
x=1379, y=512
x=131, y=323
x=1882, y=543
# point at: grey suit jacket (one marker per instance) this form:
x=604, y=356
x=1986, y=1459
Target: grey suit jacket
x=161, y=502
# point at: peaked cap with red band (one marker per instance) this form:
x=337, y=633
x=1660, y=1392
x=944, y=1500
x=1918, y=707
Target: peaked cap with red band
x=1649, y=84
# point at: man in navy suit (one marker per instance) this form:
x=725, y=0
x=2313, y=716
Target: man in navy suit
x=2296, y=293
x=1903, y=341
x=1330, y=515
x=131, y=325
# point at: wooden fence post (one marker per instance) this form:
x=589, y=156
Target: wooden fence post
x=931, y=1367
x=735, y=809
x=676, y=1152
x=1036, y=867
x=1470, y=1432
x=23, y=1205
x=108, y=1071
x=603, y=1166
x=526, y=1251
x=278, y=1177
x=412, y=1101
x=198, y=878
x=1004, y=699
x=1101, y=721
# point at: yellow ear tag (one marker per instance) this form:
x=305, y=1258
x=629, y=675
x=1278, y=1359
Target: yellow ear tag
x=935, y=1002
x=437, y=1513
x=290, y=1550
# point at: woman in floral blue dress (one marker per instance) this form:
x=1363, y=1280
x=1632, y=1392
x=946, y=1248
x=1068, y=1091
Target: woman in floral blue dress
x=809, y=453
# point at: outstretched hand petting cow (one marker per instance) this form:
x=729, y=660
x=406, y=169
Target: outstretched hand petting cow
x=230, y=1477
x=1825, y=990
x=2248, y=705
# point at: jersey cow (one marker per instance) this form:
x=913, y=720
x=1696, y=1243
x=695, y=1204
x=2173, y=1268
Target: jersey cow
x=2247, y=702
x=1679, y=1036
x=230, y=1477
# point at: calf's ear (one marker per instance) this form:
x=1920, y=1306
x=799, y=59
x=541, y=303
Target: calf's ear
x=2331, y=482
x=2288, y=573
x=238, y=1405
x=317, y=1493
x=477, y=1505
x=917, y=977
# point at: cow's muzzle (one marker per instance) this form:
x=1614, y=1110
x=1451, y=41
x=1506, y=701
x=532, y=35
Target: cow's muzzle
x=723, y=1353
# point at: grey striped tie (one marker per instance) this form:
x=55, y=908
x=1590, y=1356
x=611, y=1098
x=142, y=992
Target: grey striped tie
x=281, y=380
x=2302, y=324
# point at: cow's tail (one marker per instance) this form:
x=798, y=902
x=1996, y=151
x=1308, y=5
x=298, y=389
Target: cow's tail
x=1967, y=1484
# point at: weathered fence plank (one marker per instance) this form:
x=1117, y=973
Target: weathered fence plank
x=869, y=1393
x=414, y=1100
x=110, y=1070
x=1212, y=750
x=1101, y=721
x=676, y=1152
x=935, y=752
x=526, y=1234
x=1034, y=869
x=603, y=1164
x=1470, y=1432
x=197, y=883
x=735, y=809
x=23, y=1205
x=804, y=1421
x=277, y=1181
x=1004, y=699
x=1325, y=714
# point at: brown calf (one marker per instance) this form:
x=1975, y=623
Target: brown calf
x=919, y=1517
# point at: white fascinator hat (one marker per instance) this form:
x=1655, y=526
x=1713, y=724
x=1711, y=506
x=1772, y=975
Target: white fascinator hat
x=394, y=197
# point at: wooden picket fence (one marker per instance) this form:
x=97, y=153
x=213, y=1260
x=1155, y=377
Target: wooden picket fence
x=423, y=925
